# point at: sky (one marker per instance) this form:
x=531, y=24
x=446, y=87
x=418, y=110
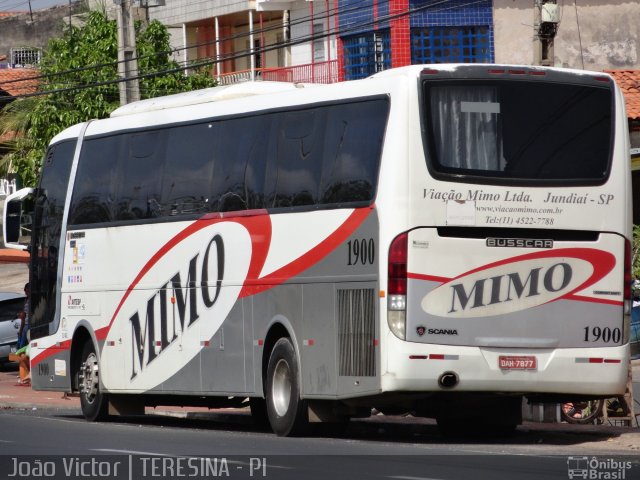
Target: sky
x=23, y=5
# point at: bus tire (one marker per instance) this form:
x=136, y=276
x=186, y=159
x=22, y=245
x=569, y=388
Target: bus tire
x=94, y=403
x=287, y=412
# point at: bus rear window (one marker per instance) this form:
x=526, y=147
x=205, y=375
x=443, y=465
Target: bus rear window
x=519, y=131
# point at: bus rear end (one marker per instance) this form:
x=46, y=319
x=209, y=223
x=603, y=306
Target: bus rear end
x=513, y=274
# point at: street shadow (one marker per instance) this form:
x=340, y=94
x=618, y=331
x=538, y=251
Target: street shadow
x=8, y=367
x=407, y=430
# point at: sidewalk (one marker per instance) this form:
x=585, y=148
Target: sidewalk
x=13, y=395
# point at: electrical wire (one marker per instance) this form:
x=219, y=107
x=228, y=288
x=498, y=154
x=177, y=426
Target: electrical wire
x=575, y=5
x=299, y=21
x=208, y=61
x=11, y=8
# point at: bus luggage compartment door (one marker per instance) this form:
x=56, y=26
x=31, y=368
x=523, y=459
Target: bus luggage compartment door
x=480, y=287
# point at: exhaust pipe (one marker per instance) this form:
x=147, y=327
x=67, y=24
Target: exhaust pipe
x=448, y=380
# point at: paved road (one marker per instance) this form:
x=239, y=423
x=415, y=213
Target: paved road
x=396, y=448
x=13, y=276
x=370, y=450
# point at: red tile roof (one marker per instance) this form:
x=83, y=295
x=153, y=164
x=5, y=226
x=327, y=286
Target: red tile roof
x=9, y=84
x=629, y=83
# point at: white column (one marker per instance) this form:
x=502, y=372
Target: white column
x=328, y=32
x=253, y=61
x=218, y=66
x=285, y=35
x=185, y=44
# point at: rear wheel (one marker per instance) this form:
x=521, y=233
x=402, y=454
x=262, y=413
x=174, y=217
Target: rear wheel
x=287, y=412
x=93, y=402
x=583, y=412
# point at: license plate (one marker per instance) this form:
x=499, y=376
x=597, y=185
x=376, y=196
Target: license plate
x=517, y=363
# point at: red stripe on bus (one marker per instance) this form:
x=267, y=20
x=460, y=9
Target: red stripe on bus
x=253, y=223
x=258, y=223
x=254, y=285
x=50, y=351
x=429, y=278
x=605, y=301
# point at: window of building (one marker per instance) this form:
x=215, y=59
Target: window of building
x=470, y=44
x=25, y=57
x=366, y=54
x=318, y=42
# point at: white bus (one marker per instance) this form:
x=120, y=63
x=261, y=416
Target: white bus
x=441, y=240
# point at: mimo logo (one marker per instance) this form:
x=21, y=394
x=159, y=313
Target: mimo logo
x=518, y=283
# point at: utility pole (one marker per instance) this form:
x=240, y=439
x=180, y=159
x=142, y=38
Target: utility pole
x=30, y=12
x=546, y=18
x=127, y=60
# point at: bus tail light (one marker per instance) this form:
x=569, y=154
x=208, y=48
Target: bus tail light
x=397, y=286
x=628, y=294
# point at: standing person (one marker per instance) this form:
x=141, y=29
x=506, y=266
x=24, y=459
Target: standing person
x=24, y=324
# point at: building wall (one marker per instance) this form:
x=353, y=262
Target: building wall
x=357, y=16
x=176, y=12
x=457, y=13
x=301, y=19
x=454, y=12
x=430, y=33
x=513, y=31
x=594, y=35
x=20, y=31
x=242, y=46
x=177, y=43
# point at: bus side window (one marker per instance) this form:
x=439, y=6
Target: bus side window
x=231, y=153
x=353, y=147
x=188, y=169
x=259, y=177
x=92, y=192
x=299, y=157
x=138, y=183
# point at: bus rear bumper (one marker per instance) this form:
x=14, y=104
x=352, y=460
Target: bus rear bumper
x=589, y=371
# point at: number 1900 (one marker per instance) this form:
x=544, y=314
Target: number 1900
x=606, y=334
x=361, y=251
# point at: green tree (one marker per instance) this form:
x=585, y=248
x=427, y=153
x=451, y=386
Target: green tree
x=89, y=94
x=14, y=123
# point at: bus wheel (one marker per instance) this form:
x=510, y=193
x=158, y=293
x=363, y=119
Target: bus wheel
x=287, y=412
x=93, y=402
x=583, y=412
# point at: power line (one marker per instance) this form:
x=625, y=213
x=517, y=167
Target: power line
x=208, y=61
x=299, y=21
x=8, y=7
